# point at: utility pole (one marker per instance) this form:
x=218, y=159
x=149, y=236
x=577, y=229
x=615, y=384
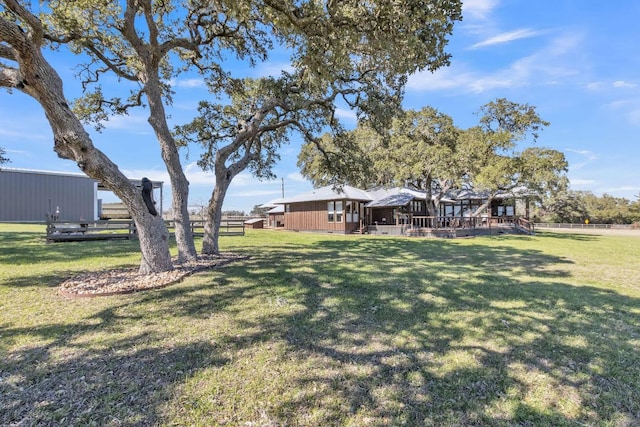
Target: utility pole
x=283, y=188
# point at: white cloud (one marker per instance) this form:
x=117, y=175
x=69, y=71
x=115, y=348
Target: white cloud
x=633, y=116
x=624, y=84
x=188, y=83
x=297, y=177
x=257, y=193
x=508, y=37
x=444, y=78
x=578, y=182
x=623, y=189
x=628, y=108
x=478, y=9
x=587, y=157
x=547, y=66
x=273, y=69
x=152, y=174
x=21, y=134
x=134, y=123
x=196, y=176
x=346, y=114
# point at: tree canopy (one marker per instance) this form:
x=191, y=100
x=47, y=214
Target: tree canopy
x=359, y=53
x=426, y=150
x=24, y=68
x=577, y=206
x=356, y=54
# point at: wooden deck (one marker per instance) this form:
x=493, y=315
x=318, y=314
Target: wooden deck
x=426, y=226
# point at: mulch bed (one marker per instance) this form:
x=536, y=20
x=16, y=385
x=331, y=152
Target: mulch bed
x=127, y=280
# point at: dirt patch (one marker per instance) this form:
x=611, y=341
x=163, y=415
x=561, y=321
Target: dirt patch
x=127, y=280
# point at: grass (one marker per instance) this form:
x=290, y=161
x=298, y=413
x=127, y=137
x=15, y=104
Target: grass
x=329, y=330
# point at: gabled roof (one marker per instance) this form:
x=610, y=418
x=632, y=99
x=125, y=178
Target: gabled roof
x=393, y=200
x=382, y=192
x=276, y=209
x=328, y=193
x=471, y=194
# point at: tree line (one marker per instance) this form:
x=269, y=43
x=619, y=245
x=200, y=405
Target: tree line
x=582, y=206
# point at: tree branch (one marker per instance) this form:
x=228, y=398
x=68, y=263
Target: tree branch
x=35, y=26
x=7, y=52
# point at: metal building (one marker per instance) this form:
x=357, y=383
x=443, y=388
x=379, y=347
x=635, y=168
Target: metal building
x=27, y=195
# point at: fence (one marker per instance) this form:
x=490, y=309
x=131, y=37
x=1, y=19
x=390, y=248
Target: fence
x=588, y=226
x=63, y=231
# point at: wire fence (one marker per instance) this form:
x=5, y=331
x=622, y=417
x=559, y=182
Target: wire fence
x=588, y=226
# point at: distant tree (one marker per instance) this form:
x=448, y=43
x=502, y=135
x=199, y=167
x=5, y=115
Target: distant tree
x=3, y=159
x=233, y=213
x=257, y=210
x=608, y=209
x=634, y=210
x=566, y=206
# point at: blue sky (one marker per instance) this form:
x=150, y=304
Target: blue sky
x=577, y=61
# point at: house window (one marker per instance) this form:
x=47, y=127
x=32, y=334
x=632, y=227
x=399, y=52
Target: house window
x=335, y=211
x=287, y=208
x=351, y=211
x=339, y=211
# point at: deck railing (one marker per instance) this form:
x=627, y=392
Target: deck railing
x=437, y=222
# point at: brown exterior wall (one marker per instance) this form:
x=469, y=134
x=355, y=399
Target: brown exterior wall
x=312, y=216
x=276, y=220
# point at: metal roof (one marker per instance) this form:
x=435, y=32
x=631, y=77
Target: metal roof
x=383, y=192
x=327, y=193
x=276, y=209
x=393, y=200
x=471, y=194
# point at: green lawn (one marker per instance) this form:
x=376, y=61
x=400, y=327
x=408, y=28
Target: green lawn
x=323, y=330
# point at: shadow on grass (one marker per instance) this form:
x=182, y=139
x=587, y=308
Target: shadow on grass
x=375, y=331
x=30, y=248
x=122, y=381
x=459, y=339
x=563, y=235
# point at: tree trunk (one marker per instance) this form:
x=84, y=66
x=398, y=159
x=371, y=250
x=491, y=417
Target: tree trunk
x=179, y=184
x=154, y=238
x=431, y=210
x=36, y=78
x=483, y=207
x=214, y=216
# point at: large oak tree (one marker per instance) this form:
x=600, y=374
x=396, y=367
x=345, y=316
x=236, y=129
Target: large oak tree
x=358, y=54
x=24, y=68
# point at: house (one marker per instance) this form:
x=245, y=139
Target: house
x=399, y=211
x=326, y=210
